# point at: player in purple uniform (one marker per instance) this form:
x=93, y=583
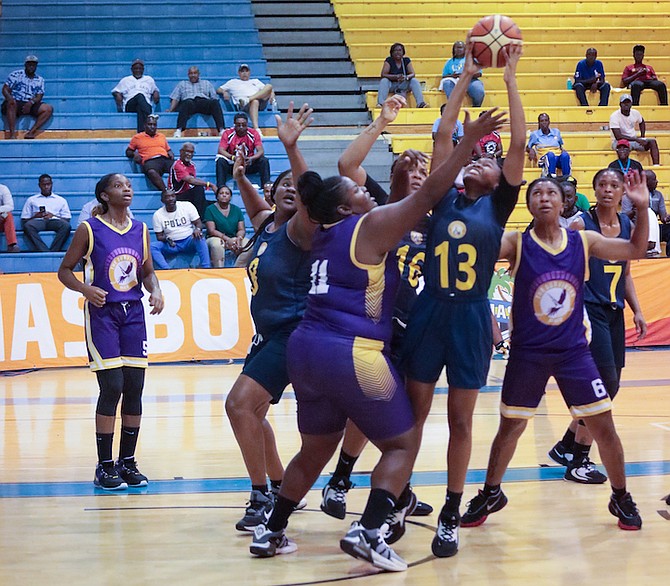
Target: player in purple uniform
x=279, y=275
x=339, y=359
x=610, y=285
x=550, y=338
x=115, y=249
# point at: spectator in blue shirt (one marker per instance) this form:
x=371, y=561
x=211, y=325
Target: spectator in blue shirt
x=590, y=74
x=545, y=148
x=23, y=92
x=452, y=71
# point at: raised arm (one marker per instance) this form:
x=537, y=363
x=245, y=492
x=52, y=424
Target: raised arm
x=256, y=206
x=351, y=160
x=384, y=226
x=514, y=161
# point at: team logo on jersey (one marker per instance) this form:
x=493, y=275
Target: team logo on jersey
x=262, y=248
x=554, y=302
x=122, y=271
x=416, y=237
x=457, y=229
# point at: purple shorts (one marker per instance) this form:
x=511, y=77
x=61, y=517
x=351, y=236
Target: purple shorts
x=116, y=335
x=575, y=372
x=336, y=378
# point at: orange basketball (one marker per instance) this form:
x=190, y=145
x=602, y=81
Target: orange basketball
x=490, y=35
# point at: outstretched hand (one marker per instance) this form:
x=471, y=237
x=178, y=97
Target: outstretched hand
x=408, y=160
x=239, y=165
x=636, y=189
x=290, y=129
x=470, y=68
x=486, y=123
x=511, y=53
x=391, y=107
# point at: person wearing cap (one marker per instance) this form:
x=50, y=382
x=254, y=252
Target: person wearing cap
x=195, y=96
x=249, y=95
x=23, y=92
x=134, y=93
x=590, y=74
x=639, y=76
x=623, y=162
x=151, y=151
x=623, y=124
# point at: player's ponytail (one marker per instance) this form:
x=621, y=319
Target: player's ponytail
x=321, y=197
x=100, y=187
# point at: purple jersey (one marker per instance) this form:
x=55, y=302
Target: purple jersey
x=347, y=296
x=115, y=257
x=548, y=305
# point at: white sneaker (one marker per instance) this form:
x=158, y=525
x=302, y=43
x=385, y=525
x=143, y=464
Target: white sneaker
x=177, y=133
x=369, y=545
x=267, y=544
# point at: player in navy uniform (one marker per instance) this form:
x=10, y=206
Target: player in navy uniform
x=339, y=360
x=279, y=275
x=610, y=284
x=450, y=324
x=115, y=249
x=550, y=338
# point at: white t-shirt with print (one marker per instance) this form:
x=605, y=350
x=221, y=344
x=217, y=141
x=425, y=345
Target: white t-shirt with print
x=177, y=225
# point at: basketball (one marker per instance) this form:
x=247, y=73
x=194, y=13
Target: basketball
x=490, y=35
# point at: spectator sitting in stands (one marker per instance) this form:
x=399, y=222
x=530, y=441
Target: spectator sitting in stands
x=545, y=148
x=582, y=201
x=179, y=232
x=398, y=77
x=134, y=93
x=457, y=135
x=639, y=76
x=249, y=95
x=590, y=74
x=247, y=139
x=151, y=151
x=23, y=92
x=46, y=211
x=489, y=146
x=7, y=219
x=570, y=209
x=185, y=184
x=622, y=125
x=623, y=162
x=225, y=229
x=195, y=96
x=452, y=71
x=267, y=193
x=90, y=208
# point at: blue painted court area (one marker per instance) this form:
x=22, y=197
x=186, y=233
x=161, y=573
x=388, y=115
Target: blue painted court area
x=210, y=485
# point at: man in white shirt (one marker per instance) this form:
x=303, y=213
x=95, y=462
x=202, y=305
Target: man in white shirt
x=46, y=211
x=7, y=219
x=250, y=95
x=622, y=126
x=135, y=93
x=178, y=230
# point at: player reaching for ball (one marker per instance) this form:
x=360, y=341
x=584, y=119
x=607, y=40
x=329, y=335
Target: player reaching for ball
x=450, y=324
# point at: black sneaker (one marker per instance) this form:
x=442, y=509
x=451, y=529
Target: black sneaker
x=396, y=519
x=480, y=507
x=560, y=455
x=334, y=501
x=626, y=510
x=584, y=473
x=445, y=542
x=259, y=508
x=421, y=510
x=127, y=469
x=267, y=544
x=107, y=478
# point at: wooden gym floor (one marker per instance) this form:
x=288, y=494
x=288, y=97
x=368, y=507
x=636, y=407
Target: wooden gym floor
x=55, y=528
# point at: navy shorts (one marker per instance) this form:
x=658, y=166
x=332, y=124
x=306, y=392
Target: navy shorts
x=608, y=335
x=266, y=363
x=339, y=377
x=116, y=335
x=455, y=335
x=575, y=372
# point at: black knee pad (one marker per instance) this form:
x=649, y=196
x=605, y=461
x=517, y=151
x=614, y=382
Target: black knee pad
x=111, y=387
x=133, y=385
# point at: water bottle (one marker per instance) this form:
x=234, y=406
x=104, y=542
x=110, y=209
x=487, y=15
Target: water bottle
x=568, y=84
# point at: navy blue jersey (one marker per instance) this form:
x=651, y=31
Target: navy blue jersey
x=548, y=305
x=279, y=275
x=464, y=242
x=410, y=254
x=607, y=281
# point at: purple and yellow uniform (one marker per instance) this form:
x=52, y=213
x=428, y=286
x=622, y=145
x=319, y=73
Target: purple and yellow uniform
x=550, y=330
x=116, y=333
x=339, y=355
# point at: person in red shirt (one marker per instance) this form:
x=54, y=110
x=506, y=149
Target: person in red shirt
x=249, y=140
x=640, y=76
x=151, y=151
x=185, y=184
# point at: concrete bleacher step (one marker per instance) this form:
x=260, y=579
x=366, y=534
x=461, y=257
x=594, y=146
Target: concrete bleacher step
x=27, y=262
x=297, y=37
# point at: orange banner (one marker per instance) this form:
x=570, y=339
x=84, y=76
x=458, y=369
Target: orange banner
x=206, y=317
x=652, y=283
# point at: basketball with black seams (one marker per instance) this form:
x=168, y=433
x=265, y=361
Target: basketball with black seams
x=490, y=35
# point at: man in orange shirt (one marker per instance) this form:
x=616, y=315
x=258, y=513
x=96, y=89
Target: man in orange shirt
x=150, y=150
